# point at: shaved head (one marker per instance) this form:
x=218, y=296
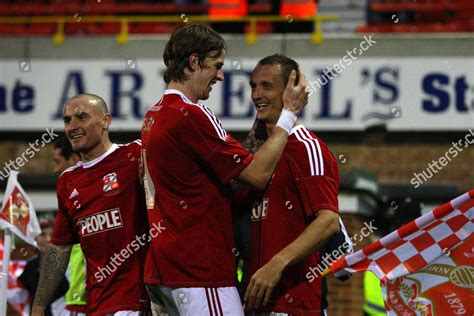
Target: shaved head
x=86, y=125
x=92, y=99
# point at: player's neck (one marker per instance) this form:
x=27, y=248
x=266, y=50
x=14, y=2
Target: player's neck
x=97, y=151
x=271, y=126
x=184, y=88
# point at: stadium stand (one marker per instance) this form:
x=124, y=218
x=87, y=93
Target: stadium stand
x=420, y=16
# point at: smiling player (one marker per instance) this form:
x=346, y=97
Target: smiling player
x=297, y=213
x=189, y=162
x=102, y=206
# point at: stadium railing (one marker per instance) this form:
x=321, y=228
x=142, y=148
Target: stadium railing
x=118, y=19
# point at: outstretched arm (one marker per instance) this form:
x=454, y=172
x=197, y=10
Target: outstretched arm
x=53, y=266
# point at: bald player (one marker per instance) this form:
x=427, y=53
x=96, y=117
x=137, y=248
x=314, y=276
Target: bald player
x=102, y=207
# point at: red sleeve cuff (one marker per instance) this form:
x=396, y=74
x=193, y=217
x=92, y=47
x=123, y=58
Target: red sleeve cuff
x=60, y=242
x=328, y=207
x=240, y=167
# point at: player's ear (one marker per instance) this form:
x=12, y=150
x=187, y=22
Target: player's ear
x=297, y=79
x=106, y=120
x=193, y=62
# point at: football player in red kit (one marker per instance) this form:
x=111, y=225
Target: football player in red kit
x=189, y=161
x=296, y=214
x=102, y=206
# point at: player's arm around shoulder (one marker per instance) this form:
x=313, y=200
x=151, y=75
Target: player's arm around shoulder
x=53, y=266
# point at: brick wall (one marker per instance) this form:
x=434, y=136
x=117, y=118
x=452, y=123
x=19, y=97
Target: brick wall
x=398, y=162
x=390, y=162
x=40, y=163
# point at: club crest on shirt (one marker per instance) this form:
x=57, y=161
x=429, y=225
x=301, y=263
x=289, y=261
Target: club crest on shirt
x=111, y=185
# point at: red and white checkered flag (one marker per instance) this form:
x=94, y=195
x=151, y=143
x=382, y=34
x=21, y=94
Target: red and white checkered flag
x=18, y=213
x=416, y=244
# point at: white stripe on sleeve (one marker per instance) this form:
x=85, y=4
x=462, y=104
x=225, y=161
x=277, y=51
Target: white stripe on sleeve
x=214, y=121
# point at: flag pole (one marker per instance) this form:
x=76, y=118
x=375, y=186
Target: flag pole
x=326, y=273
x=11, y=210
x=7, y=247
x=5, y=271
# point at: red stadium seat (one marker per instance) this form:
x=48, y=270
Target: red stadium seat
x=85, y=8
x=427, y=16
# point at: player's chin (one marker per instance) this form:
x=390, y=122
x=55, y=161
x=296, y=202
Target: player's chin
x=261, y=117
x=205, y=96
x=78, y=145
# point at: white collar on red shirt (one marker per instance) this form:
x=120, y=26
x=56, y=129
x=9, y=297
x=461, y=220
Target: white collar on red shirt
x=295, y=128
x=95, y=161
x=180, y=93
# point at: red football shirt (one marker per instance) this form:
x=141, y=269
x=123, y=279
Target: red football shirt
x=305, y=181
x=189, y=160
x=102, y=206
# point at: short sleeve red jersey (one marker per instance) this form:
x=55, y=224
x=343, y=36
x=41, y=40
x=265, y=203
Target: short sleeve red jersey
x=102, y=206
x=190, y=160
x=305, y=181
